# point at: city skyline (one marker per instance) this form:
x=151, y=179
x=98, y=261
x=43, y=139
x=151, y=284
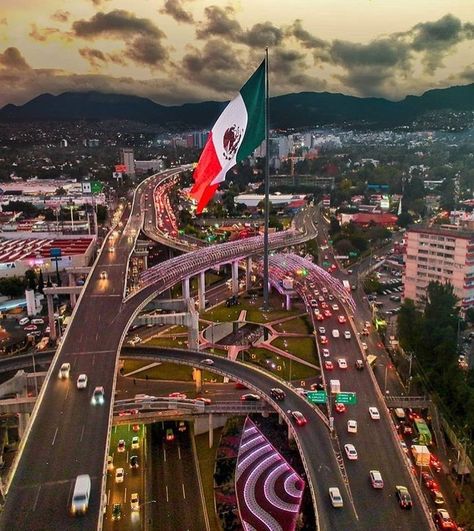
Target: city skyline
x=178, y=51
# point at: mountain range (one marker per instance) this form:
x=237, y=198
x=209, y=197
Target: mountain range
x=290, y=110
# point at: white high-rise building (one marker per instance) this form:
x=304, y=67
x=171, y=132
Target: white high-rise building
x=128, y=159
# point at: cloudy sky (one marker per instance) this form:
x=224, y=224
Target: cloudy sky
x=176, y=51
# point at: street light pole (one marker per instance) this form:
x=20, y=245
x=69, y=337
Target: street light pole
x=409, y=373
x=385, y=380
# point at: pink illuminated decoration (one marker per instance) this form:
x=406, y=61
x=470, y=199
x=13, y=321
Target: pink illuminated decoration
x=269, y=491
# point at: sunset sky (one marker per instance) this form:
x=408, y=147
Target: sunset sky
x=176, y=51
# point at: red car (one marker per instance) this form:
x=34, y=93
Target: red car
x=30, y=327
x=443, y=520
x=127, y=412
x=434, y=463
x=319, y=317
x=136, y=427
x=299, y=418
x=340, y=408
x=327, y=313
x=177, y=394
x=342, y=319
x=324, y=305
x=429, y=481
x=324, y=340
x=328, y=365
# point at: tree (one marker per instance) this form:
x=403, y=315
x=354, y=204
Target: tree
x=404, y=219
x=470, y=315
x=101, y=214
x=30, y=279
x=60, y=191
x=408, y=322
x=40, y=282
x=12, y=287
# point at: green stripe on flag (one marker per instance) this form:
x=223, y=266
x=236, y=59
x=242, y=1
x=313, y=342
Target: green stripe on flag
x=253, y=94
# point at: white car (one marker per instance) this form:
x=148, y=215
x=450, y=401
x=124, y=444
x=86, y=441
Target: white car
x=98, y=396
x=335, y=307
x=351, y=452
x=364, y=345
x=374, y=413
x=342, y=363
x=335, y=333
x=134, y=501
x=352, y=426
x=135, y=443
x=336, y=498
x=207, y=361
x=81, y=381
x=347, y=334
x=119, y=474
x=322, y=330
x=325, y=352
x=64, y=371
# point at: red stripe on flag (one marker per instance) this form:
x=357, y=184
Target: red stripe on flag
x=206, y=171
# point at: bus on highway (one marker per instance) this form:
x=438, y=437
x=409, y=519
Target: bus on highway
x=346, y=284
x=422, y=431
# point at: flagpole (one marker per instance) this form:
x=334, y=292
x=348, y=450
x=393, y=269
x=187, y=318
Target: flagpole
x=266, y=305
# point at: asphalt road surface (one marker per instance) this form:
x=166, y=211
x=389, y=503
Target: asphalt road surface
x=174, y=482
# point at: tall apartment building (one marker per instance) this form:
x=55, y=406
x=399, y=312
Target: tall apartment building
x=442, y=254
x=127, y=157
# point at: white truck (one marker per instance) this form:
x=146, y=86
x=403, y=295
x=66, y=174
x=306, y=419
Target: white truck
x=335, y=386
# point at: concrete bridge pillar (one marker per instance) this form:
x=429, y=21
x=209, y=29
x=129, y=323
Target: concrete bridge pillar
x=52, y=324
x=280, y=419
x=248, y=273
x=197, y=375
x=23, y=419
x=192, y=322
x=72, y=296
x=186, y=290
x=211, y=431
x=235, y=277
x=288, y=303
x=290, y=434
x=202, y=290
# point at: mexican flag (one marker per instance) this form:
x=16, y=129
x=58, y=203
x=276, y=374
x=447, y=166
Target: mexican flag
x=238, y=131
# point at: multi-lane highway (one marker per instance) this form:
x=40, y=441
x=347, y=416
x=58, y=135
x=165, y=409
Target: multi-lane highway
x=374, y=441
x=68, y=436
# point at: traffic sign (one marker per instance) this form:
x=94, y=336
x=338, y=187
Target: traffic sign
x=346, y=398
x=326, y=263
x=353, y=253
x=317, y=397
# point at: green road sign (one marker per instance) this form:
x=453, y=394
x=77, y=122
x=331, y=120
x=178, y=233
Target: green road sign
x=317, y=397
x=326, y=264
x=330, y=242
x=353, y=253
x=346, y=398
x=96, y=187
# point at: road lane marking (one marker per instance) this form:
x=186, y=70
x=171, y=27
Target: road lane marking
x=166, y=489
x=125, y=495
x=36, y=499
x=67, y=392
x=108, y=497
x=54, y=438
x=184, y=492
x=179, y=452
x=82, y=431
x=164, y=455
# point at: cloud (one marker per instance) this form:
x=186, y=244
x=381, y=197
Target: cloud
x=146, y=51
x=219, y=23
x=45, y=34
x=98, y=2
x=436, y=39
x=11, y=59
x=262, y=35
x=174, y=9
x=307, y=40
x=117, y=23
x=468, y=74
x=141, y=36
x=3, y=22
x=217, y=66
x=97, y=58
x=60, y=16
